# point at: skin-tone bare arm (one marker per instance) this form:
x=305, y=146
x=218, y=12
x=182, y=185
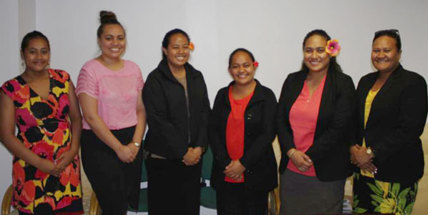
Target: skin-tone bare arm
x=90, y=112
x=140, y=128
x=14, y=145
x=76, y=128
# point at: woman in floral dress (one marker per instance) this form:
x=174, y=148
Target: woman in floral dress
x=42, y=104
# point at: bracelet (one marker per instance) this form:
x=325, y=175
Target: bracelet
x=291, y=153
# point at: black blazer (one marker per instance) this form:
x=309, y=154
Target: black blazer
x=171, y=129
x=333, y=134
x=396, y=121
x=258, y=159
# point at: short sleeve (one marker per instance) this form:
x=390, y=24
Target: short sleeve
x=87, y=83
x=140, y=81
x=7, y=89
x=11, y=87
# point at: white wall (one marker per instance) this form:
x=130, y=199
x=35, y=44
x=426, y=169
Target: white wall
x=9, y=61
x=272, y=29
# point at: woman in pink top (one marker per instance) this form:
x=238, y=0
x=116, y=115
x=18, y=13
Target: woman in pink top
x=314, y=129
x=109, y=90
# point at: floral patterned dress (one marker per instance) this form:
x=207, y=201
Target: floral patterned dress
x=375, y=196
x=44, y=128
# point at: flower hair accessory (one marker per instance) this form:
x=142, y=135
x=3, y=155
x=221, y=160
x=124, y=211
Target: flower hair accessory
x=191, y=46
x=256, y=64
x=333, y=47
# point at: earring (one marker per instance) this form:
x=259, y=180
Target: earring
x=22, y=69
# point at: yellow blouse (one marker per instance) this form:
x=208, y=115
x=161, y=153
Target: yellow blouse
x=369, y=100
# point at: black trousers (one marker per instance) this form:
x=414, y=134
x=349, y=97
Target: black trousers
x=116, y=184
x=235, y=199
x=173, y=188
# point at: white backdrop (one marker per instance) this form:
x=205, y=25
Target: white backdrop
x=272, y=29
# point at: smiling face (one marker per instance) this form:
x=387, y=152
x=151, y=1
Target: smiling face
x=385, y=55
x=242, y=68
x=112, y=41
x=177, y=52
x=36, y=55
x=314, y=55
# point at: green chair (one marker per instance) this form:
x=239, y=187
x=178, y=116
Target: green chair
x=208, y=194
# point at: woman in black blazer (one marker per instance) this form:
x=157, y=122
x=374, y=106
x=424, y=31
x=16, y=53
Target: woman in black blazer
x=391, y=115
x=314, y=128
x=242, y=128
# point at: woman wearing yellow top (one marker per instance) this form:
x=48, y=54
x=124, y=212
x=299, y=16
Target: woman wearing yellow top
x=391, y=111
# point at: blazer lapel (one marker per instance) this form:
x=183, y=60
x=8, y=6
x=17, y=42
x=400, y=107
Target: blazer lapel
x=326, y=101
x=391, y=81
x=365, y=88
x=295, y=89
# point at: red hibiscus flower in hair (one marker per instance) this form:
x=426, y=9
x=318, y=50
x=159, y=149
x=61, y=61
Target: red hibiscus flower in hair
x=256, y=64
x=333, y=47
x=191, y=46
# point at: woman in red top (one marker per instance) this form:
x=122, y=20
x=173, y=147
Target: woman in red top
x=314, y=130
x=242, y=128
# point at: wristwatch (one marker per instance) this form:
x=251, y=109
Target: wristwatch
x=369, y=151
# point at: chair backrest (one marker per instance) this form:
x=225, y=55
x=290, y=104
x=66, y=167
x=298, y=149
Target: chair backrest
x=7, y=199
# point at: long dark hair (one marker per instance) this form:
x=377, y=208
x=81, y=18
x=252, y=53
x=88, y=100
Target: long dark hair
x=333, y=63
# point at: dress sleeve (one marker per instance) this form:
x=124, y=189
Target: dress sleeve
x=87, y=83
x=9, y=88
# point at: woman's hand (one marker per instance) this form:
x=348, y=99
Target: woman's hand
x=362, y=159
x=65, y=159
x=126, y=153
x=369, y=167
x=135, y=149
x=192, y=156
x=359, y=155
x=234, y=170
x=302, y=161
x=49, y=167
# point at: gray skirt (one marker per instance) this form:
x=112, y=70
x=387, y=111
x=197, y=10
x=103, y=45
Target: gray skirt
x=302, y=194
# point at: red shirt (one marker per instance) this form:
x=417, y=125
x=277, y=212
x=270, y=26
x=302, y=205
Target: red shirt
x=235, y=129
x=303, y=121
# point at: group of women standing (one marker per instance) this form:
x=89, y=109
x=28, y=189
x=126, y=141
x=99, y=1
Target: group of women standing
x=315, y=120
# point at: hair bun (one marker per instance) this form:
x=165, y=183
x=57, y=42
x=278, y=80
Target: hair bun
x=107, y=17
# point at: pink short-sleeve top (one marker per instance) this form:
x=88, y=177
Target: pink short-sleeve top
x=116, y=92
